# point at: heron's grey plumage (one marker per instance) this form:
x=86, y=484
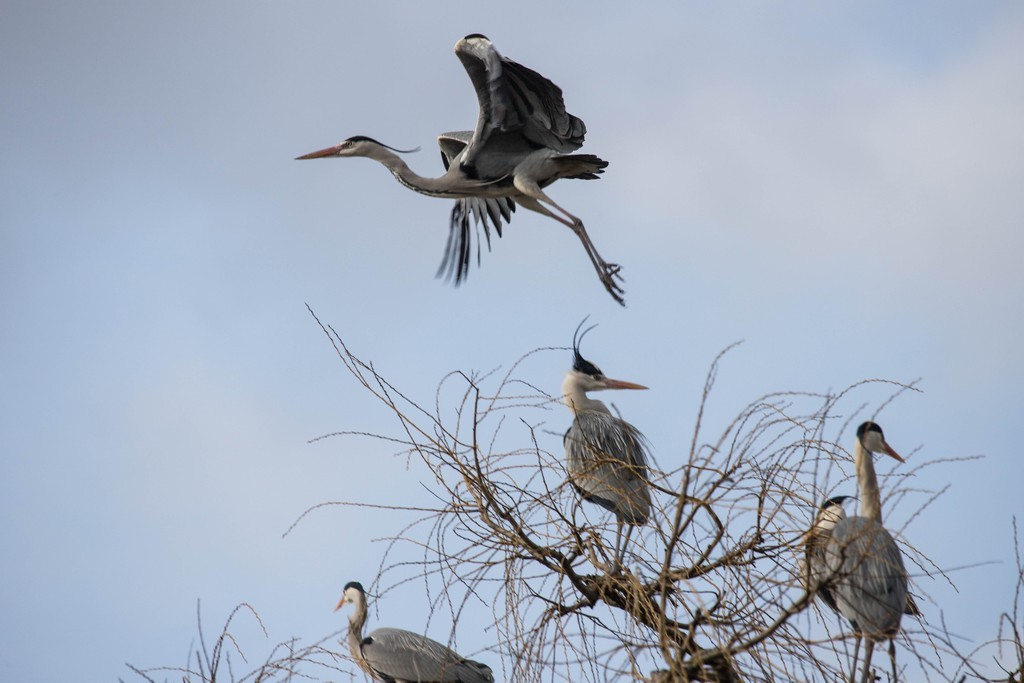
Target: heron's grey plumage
x=520, y=110
x=607, y=462
x=395, y=655
x=606, y=457
x=519, y=147
x=816, y=574
x=870, y=584
x=860, y=563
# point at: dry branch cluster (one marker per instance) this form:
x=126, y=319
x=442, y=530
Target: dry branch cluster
x=712, y=587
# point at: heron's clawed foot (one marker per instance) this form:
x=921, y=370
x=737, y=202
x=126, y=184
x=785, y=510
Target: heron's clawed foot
x=610, y=274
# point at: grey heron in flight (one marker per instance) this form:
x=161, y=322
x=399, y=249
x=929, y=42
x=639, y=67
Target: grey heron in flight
x=606, y=456
x=855, y=561
x=397, y=656
x=520, y=146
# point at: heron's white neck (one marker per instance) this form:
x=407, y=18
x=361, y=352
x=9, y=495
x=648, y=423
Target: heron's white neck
x=576, y=397
x=434, y=187
x=355, y=628
x=827, y=520
x=870, y=497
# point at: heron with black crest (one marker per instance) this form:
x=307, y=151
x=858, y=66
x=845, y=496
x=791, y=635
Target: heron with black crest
x=606, y=456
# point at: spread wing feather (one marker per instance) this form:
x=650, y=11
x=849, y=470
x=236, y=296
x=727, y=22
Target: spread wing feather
x=515, y=99
x=486, y=212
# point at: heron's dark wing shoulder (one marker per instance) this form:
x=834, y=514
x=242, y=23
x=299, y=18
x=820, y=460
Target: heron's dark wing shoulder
x=406, y=656
x=514, y=98
x=452, y=144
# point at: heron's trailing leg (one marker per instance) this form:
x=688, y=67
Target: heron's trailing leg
x=892, y=658
x=607, y=272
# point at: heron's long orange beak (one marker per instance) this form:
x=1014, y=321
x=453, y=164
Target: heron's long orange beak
x=329, y=152
x=619, y=384
x=890, y=452
x=341, y=604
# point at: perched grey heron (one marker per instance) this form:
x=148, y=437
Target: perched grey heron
x=814, y=574
x=606, y=456
x=520, y=146
x=829, y=514
x=858, y=560
x=394, y=655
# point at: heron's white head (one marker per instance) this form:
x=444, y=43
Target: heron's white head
x=585, y=376
x=356, y=146
x=872, y=440
x=830, y=513
x=354, y=595
x=476, y=44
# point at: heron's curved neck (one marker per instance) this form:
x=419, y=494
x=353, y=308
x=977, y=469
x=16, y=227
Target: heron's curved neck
x=355, y=629
x=405, y=175
x=870, y=497
x=576, y=398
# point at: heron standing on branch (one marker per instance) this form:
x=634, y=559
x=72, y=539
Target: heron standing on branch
x=397, y=656
x=520, y=146
x=855, y=561
x=606, y=456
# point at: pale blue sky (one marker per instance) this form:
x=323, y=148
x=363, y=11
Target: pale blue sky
x=840, y=186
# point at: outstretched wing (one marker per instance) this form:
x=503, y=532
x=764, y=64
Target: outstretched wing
x=402, y=655
x=485, y=211
x=515, y=99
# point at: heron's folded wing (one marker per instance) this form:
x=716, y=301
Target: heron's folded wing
x=870, y=585
x=607, y=461
x=408, y=656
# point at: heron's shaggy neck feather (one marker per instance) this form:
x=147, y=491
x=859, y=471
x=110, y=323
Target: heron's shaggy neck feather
x=355, y=631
